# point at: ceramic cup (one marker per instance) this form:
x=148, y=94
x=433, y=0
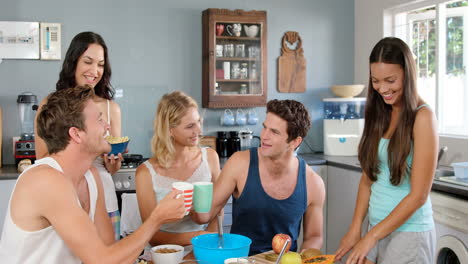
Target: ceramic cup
x=227, y=119
x=219, y=50
x=219, y=29
x=202, y=196
x=241, y=119
x=187, y=189
x=252, y=117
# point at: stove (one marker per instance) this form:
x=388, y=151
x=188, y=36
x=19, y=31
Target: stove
x=124, y=179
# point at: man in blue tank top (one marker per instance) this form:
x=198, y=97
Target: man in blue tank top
x=272, y=189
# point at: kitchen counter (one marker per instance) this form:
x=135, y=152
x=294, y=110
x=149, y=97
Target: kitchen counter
x=352, y=163
x=8, y=172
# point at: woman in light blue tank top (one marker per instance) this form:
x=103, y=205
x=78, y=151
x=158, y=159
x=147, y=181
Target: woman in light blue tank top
x=397, y=152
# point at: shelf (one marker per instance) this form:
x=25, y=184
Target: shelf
x=237, y=38
x=236, y=59
x=237, y=80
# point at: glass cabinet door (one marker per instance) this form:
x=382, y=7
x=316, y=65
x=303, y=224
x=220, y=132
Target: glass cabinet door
x=238, y=60
x=234, y=72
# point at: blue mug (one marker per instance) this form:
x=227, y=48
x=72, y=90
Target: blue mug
x=241, y=119
x=227, y=119
x=252, y=118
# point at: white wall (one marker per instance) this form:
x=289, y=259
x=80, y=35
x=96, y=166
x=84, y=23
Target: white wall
x=368, y=24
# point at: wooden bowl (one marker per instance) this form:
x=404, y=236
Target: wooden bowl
x=347, y=91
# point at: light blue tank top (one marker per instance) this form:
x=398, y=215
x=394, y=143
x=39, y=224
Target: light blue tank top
x=385, y=196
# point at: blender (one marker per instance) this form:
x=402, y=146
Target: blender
x=27, y=107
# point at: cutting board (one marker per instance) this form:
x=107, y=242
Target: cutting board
x=291, y=65
x=260, y=258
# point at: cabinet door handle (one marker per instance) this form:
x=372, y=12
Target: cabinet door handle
x=211, y=53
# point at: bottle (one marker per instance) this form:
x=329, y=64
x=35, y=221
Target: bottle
x=222, y=144
x=235, y=71
x=253, y=71
x=234, y=144
x=243, y=89
x=243, y=71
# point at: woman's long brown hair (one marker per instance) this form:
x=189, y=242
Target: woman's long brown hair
x=377, y=114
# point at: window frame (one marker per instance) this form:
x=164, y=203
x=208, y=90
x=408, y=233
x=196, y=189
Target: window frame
x=398, y=23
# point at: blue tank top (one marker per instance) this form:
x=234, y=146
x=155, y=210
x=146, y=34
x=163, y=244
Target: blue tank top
x=385, y=196
x=258, y=216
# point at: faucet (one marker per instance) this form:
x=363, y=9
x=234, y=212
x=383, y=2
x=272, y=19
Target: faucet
x=442, y=151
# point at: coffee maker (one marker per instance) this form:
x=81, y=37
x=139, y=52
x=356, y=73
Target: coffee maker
x=24, y=147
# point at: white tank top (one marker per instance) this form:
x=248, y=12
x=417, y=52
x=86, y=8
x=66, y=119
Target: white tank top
x=162, y=185
x=110, y=196
x=18, y=246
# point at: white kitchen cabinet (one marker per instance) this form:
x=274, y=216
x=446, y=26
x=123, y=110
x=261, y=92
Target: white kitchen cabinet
x=342, y=189
x=322, y=171
x=6, y=187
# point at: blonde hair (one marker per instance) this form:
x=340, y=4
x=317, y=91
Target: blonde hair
x=171, y=109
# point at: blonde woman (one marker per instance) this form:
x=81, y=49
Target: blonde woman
x=177, y=156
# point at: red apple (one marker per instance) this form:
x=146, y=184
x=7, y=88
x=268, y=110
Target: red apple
x=278, y=242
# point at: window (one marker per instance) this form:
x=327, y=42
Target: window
x=442, y=61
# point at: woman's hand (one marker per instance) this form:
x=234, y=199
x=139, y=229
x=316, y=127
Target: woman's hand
x=347, y=243
x=361, y=249
x=111, y=163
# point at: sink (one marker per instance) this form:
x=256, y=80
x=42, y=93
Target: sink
x=443, y=173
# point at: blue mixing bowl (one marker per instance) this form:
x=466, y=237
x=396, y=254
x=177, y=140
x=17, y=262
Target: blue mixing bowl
x=205, y=247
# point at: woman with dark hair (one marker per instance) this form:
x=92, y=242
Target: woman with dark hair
x=398, y=153
x=87, y=63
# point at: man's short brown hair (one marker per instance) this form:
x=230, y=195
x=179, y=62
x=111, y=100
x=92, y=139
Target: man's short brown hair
x=63, y=110
x=294, y=113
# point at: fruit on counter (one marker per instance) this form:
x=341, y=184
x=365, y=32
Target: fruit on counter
x=271, y=257
x=311, y=252
x=291, y=258
x=278, y=242
x=322, y=259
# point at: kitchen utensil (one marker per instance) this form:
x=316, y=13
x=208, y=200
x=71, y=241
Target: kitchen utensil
x=205, y=247
x=234, y=142
x=219, y=29
x=187, y=190
x=167, y=258
x=227, y=119
x=219, y=50
x=202, y=196
x=291, y=65
x=282, y=251
x=241, y=118
x=252, y=117
x=118, y=148
x=247, y=137
x=347, y=91
x=220, y=231
x=251, y=31
x=235, y=71
x=229, y=50
x=222, y=144
x=240, y=50
x=234, y=29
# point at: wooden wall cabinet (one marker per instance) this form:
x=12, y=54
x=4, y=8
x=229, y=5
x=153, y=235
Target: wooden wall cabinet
x=234, y=58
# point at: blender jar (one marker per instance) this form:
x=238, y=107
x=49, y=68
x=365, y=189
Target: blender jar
x=27, y=107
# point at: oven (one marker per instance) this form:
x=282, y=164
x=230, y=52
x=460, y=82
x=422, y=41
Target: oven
x=124, y=181
x=451, y=220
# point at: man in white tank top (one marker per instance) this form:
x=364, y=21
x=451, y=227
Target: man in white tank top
x=56, y=212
